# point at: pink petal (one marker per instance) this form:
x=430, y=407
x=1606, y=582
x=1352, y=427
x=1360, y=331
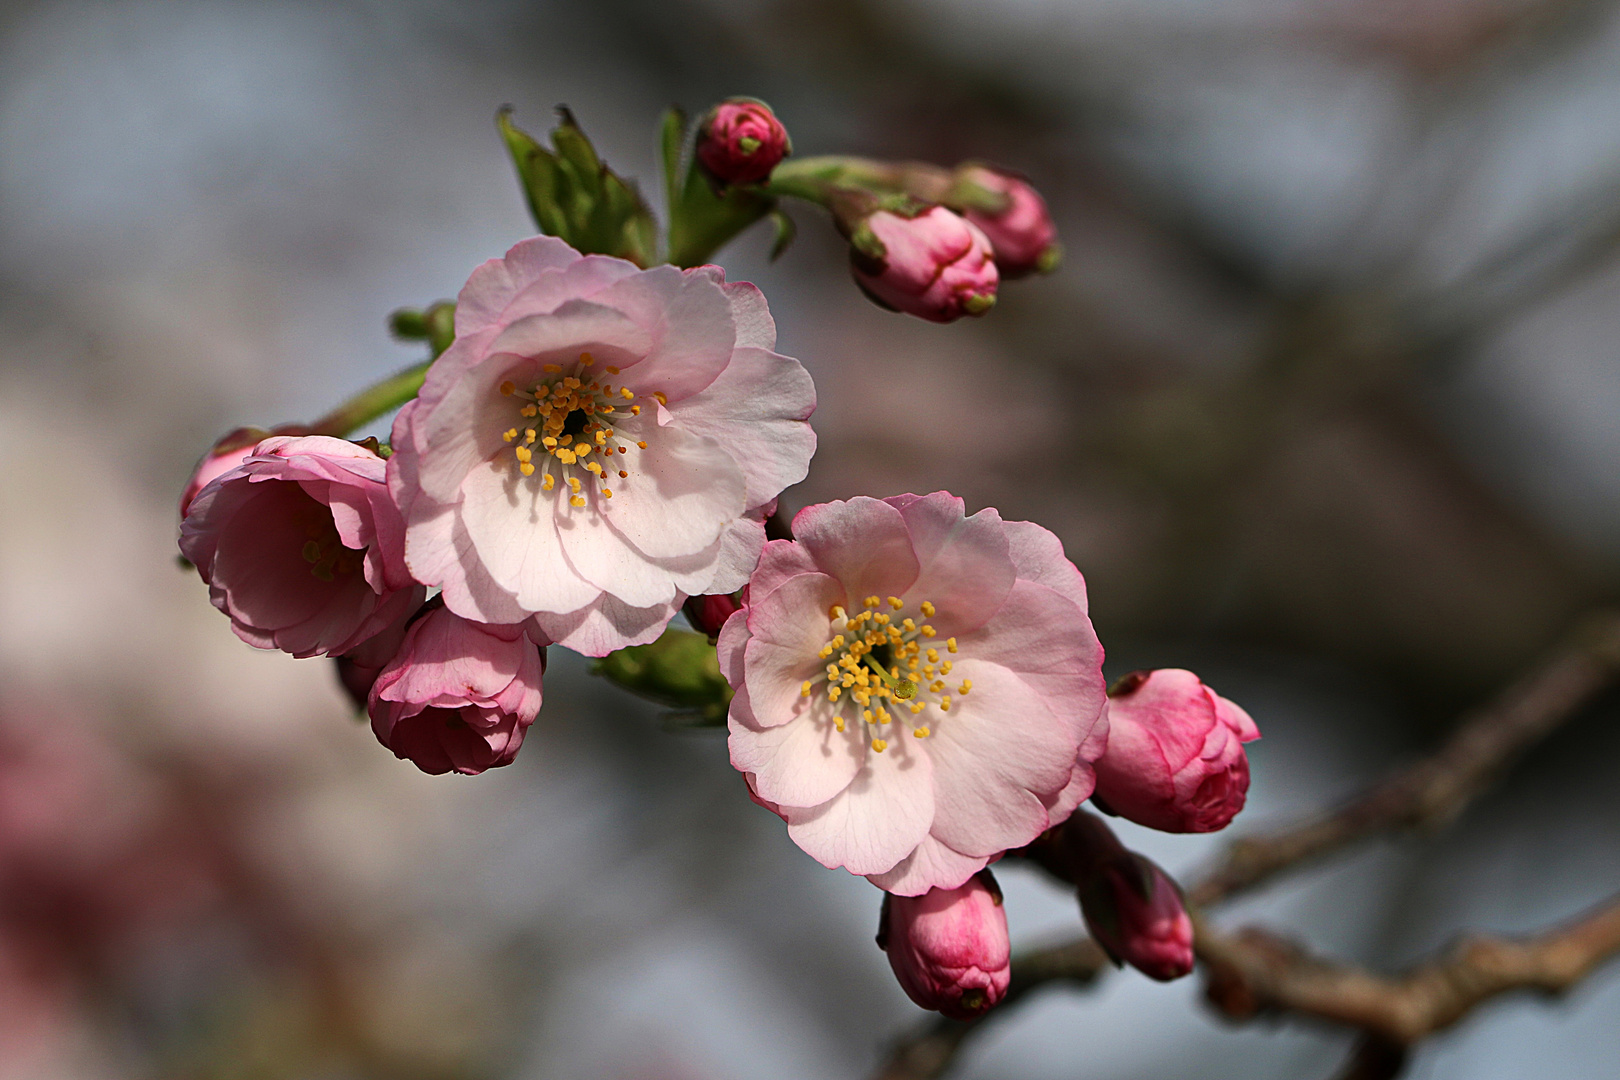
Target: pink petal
x=511, y=524
x=689, y=318
x=876, y=821
x=1038, y=556
x=756, y=411
x=964, y=566
x=605, y=625
x=682, y=491
x=863, y=543
x=801, y=763
x=934, y=865
x=789, y=628
x=492, y=287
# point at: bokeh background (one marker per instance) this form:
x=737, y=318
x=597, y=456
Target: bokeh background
x=1325, y=402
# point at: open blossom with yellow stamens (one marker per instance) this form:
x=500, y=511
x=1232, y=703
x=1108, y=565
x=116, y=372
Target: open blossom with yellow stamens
x=598, y=444
x=917, y=691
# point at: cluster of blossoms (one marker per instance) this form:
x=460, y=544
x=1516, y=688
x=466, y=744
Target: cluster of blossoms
x=917, y=692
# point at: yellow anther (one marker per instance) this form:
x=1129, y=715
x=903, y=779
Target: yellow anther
x=826, y=651
x=607, y=493
x=508, y=388
x=642, y=445
x=945, y=703
x=926, y=631
x=950, y=644
x=936, y=686
x=967, y=684
x=624, y=392
x=582, y=448
x=548, y=442
x=595, y=468
x=838, y=722
x=551, y=369
x=908, y=626
x=804, y=691
x=573, y=484
x=927, y=610
x=916, y=707
x=601, y=437
x=529, y=410
x=526, y=469
x=933, y=656
x=576, y=500
x=635, y=410
x=566, y=439
x=872, y=601
x=662, y=400
x=567, y=457
x=880, y=745
x=509, y=435
x=866, y=714
x=611, y=370
x=585, y=359
x=570, y=382
x=548, y=482
x=945, y=667
x=623, y=474
x=528, y=435
x=523, y=453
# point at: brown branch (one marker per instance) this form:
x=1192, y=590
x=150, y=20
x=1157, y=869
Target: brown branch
x=1426, y=794
x=1253, y=972
x=1437, y=789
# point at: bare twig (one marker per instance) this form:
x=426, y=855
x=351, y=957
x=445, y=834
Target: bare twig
x=1427, y=794
x=1437, y=789
x=1253, y=972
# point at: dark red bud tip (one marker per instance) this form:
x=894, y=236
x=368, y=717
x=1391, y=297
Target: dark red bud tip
x=741, y=141
x=708, y=614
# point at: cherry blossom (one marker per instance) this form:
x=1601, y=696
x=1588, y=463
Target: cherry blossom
x=917, y=691
x=301, y=546
x=599, y=443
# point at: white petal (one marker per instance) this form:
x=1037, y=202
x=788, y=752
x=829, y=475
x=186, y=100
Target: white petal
x=876, y=821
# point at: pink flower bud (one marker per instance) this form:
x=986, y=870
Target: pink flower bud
x=230, y=451
x=302, y=547
x=1175, y=757
x=949, y=947
x=1021, y=231
x=936, y=265
x=708, y=614
x=458, y=695
x=1134, y=910
x=741, y=141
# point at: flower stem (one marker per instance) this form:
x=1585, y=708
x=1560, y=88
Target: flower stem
x=372, y=402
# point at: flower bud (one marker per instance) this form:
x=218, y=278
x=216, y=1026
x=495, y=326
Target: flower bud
x=1175, y=758
x=1133, y=908
x=708, y=614
x=230, y=451
x=936, y=265
x=458, y=694
x=741, y=141
x=1014, y=217
x=949, y=947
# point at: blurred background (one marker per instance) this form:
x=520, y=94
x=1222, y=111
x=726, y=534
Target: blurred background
x=1325, y=402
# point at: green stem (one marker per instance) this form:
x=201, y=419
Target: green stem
x=372, y=402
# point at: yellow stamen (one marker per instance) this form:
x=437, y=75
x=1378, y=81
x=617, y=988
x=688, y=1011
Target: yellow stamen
x=880, y=745
x=508, y=388
x=576, y=500
x=927, y=609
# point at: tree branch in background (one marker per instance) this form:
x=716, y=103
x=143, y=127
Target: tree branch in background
x=1253, y=972
x=1424, y=795
x=1437, y=789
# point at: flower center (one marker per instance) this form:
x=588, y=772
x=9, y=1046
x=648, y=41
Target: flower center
x=566, y=431
x=324, y=550
x=883, y=670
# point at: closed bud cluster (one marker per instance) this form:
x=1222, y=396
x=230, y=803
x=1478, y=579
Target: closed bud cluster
x=935, y=265
x=949, y=947
x=741, y=141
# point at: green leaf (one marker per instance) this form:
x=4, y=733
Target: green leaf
x=679, y=670
x=671, y=137
x=785, y=232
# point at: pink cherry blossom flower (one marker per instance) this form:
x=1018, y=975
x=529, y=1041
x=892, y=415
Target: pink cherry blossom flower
x=917, y=691
x=458, y=694
x=599, y=443
x=1021, y=232
x=937, y=265
x=741, y=141
x=1133, y=908
x=949, y=947
x=1175, y=758
x=230, y=451
x=302, y=547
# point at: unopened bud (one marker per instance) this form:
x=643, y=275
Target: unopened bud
x=1014, y=217
x=228, y=452
x=935, y=265
x=741, y=141
x=1133, y=908
x=949, y=947
x=708, y=614
x=1175, y=759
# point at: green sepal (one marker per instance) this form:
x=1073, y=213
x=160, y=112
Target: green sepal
x=671, y=138
x=575, y=197
x=679, y=671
